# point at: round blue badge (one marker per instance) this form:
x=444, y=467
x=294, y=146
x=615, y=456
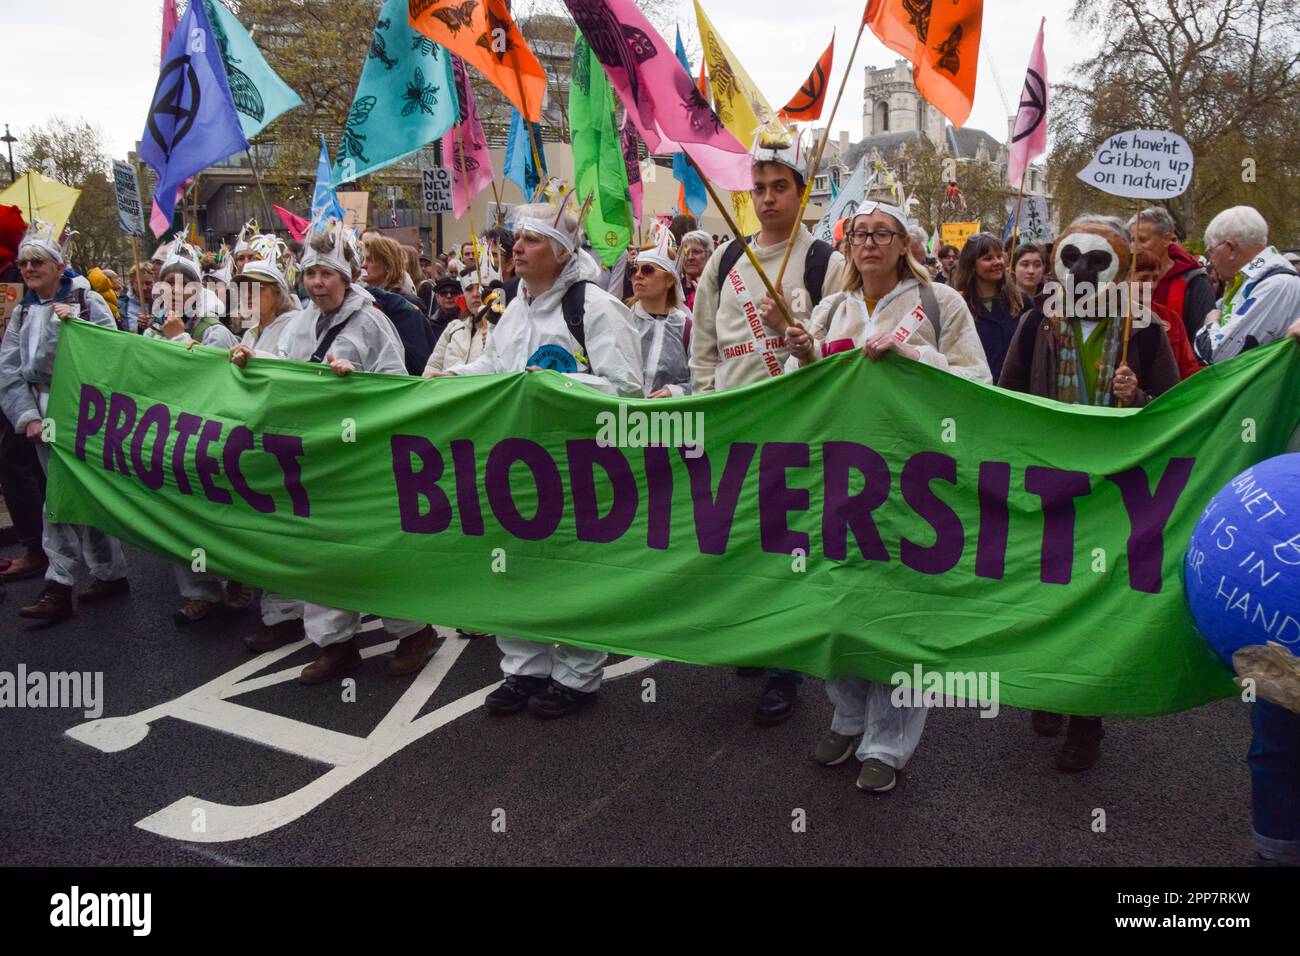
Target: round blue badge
x=555, y=358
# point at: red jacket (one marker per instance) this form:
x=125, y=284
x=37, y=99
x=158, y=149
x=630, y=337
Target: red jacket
x=1182, y=297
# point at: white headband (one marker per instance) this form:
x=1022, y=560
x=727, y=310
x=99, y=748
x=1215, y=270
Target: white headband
x=543, y=228
x=867, y=208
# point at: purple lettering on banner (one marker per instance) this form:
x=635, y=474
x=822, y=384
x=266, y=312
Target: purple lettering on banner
x=776, y=499
x=287, y=449
x=659, y=496
x=1057, y=489
x=713, y=516
x=950, y=538
x=240, y=441
x=1148, y=515
x=843, y=512
x=155, y=416
x=546, y=481
x=90, y=417
x=467, y=499
x=187, y=426
x=206, y=465
x=412, y=485
x=995, y=519
x=584, y=457
x=121, y=418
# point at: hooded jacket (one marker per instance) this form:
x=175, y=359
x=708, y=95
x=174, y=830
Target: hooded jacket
x=1264, y=303
x=663, y=347
x=1198, y=294
x=30, y=342
x=533, y=332
x=368, y=340
x=459, y=344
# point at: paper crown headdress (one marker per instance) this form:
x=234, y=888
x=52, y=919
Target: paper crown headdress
x=270, y=252
x=332, y=244
x=180, y=256
x=227, y=264
x=43, y=236
x=245, y=237
x=777, y=143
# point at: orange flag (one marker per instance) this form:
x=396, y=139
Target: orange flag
x=482, y=33
x=942, y=40
x=806, y=105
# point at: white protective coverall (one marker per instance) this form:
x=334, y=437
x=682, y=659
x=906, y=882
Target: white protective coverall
x=371, y=344
x=26, y=364
x=533, y=332
x=663, y=347
x=891, y=733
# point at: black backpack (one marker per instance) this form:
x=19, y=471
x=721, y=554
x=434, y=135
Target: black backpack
x=574, y=307
x=815, y=264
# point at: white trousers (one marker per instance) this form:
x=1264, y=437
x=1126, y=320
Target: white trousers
x=72, y=547
x=276, y=608
x=576, y=668
x=199, y=585
x=889, y=734
x=328, y=625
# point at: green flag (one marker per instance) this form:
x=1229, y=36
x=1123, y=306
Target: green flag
x=853, y=517
x=406, y=98
x=259, y=94
x=598, y=155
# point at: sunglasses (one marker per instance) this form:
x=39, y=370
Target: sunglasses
x=645, y=270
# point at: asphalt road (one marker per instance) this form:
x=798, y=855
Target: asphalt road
x=684, y=779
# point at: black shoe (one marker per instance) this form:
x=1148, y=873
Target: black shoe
x=556, y=700
x=465, y=635
x=1047, y=724
x=268, y=637
x=103, y=590
x=777, y=702
x=750, y=671
x=1082, y=744
x=512, y=696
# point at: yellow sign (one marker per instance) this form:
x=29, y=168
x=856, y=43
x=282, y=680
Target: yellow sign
x=956, y=233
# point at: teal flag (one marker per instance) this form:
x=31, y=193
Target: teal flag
x=598, y=155
x=853, y=517
x=406, y=98
x=259, y=94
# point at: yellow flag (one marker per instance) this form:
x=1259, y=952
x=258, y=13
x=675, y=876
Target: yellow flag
x=738, y=103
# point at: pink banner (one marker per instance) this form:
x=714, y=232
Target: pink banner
x=169, y=22
x=474, y=174
x=296, y=225
x=669, y=112
x=1029, y=138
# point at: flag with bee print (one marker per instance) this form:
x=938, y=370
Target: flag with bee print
x=406, y=98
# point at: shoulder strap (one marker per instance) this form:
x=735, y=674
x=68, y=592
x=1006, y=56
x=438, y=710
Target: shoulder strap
x=574, y=306
x=930, y=303
x=201, y=328
x=731, y=254
x=1191, y=274
x=815, y=264
x=79, y=296
x=323, y=349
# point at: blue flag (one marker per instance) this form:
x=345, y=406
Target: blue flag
x=406, y=98
x=258, y=93
x=519, y=166
x=324, y=201
x=192, y=119
x=697, y=199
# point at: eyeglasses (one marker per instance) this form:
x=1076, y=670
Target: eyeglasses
x=881, y=237
x=645, y=270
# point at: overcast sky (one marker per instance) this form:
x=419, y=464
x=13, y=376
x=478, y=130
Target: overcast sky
x=97, y=61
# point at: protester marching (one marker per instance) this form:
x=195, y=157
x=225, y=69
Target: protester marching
x=933, y=405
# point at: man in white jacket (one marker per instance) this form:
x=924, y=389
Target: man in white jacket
x=733, y=339
x=564, y=322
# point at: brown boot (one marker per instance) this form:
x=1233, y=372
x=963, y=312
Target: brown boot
x=54, y=604
x=412, y=652
x=335, y=660
x=30, y=565
x=103, y=590
x=268, y=637
x=238, y=596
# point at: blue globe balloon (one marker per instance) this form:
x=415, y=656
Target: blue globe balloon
x=1242, y=571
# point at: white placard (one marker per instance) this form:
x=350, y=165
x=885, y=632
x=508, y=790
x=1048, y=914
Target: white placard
x=130, y=212
x=436, y=189
x=1141, y=164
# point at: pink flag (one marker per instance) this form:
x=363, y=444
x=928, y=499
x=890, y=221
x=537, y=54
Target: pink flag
x=170, y=20
x=631, y=143
x=466, y=138
x=296, y=225
x=669, y=112
x=1029, y=137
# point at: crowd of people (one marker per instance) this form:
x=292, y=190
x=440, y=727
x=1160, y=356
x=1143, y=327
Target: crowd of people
x=671, y=318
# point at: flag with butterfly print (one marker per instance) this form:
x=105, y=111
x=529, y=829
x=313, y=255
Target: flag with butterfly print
x=669, y=112
x=483, y=34
x=406, y=98
x=259, y=94
x=465, y=148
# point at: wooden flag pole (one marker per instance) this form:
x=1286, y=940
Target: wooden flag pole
x=1015, y=224
x=257, y=178
x=817, y=159
x=139, y=283
x=469, y=197
x=740, y=238
x=1128, y=301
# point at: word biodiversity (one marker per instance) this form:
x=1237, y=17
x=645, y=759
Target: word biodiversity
x=843, y=519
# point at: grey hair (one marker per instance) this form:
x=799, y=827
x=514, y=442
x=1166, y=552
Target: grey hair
x=1240, y=224
x=34, y=251
x=567, y=223
x=1158, y=218
x=918, y=234
x=700, y=236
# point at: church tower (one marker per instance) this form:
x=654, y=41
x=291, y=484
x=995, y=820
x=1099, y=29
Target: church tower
x=891, y=104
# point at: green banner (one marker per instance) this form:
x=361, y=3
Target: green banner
x=854, y=517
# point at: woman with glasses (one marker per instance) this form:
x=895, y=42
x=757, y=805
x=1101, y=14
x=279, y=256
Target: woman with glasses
x=664, y=325
x=990, y=295
x=883, y=286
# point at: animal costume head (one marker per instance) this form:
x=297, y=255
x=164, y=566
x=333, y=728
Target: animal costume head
x=1093, y=252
